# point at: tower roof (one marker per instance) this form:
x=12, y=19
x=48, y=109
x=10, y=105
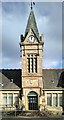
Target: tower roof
x=31, y=24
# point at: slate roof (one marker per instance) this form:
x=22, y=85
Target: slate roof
x=31, y=24
x=6, y=77
x=52, y=78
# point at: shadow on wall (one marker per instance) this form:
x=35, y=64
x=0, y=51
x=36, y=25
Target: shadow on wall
x=61, y=84
x=61, y=80
x=63, y=102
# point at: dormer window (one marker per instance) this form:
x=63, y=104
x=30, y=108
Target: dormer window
x=11, y=80
x=1, y=84
x=52, y=81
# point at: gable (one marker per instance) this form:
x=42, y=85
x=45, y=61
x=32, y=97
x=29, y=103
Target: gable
x=31, y=33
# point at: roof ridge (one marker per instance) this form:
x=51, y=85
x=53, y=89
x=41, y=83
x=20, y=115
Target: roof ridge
x=53, y=68
x=21, y=69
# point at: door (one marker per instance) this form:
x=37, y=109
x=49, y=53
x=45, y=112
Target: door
x=32, y=101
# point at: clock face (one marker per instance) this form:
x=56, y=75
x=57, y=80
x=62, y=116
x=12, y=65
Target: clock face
x=31, y=39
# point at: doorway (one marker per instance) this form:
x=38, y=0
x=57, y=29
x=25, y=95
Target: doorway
x=33, y=101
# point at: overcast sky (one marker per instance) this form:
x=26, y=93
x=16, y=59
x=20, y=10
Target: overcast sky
x=49, y=21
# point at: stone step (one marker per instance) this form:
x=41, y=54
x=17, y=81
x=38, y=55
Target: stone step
x=32, y=113
x=29, y=113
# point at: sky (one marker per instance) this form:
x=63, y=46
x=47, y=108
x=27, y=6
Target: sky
x=14, y=16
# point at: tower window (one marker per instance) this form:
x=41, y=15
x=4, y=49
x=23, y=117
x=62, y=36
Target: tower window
x=35, y=66
x=28, y=66
x=32, y=63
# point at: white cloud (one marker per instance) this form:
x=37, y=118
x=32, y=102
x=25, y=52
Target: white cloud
x=52, y=64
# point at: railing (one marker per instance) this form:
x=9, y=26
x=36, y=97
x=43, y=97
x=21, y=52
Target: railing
x=11, y=113
x=10, y=110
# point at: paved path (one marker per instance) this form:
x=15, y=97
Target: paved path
x=19, y=118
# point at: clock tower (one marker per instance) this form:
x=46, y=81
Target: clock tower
x=31, y=45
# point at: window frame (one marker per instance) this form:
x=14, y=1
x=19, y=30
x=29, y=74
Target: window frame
x=32, y=63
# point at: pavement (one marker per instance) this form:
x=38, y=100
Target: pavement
x=30, y=116
x=33, y=118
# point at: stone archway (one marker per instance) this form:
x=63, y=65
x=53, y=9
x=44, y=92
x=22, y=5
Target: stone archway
x=32, y=101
